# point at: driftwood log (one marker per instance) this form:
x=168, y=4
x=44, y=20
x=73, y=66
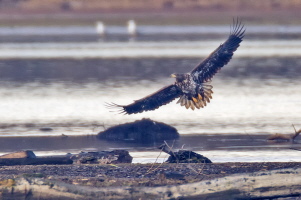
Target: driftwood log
x=269, y=184
x=101, y=157
x=35, y=161
x=19, y=154
x=29, y=158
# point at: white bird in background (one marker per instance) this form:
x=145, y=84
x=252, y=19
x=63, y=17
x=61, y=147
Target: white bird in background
x=100, y=28
x=132, y=28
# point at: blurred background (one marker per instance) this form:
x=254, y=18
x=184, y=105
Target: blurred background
x=61, y=60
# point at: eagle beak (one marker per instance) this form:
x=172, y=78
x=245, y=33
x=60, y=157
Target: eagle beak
x=173, y=76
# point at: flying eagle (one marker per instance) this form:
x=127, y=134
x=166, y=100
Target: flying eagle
x=193, y=89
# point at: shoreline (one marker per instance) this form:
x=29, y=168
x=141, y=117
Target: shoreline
x=149, y=17
x=132, y=173
x=136, y=181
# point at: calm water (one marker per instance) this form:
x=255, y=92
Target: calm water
x=64, y=85
x=146, y=29
x=251, y=95
x=146, y=33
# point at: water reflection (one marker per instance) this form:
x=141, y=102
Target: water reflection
x=149, y=49
x=79, y=71
x=240, y=106
x=146, y=33
x=250, y=95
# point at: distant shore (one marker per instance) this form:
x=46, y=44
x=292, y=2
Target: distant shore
x=146, y=5
x=148, y=17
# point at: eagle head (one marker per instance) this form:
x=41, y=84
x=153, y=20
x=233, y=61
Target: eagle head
x=179, y=77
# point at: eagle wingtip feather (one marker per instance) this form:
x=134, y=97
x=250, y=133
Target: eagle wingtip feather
x=120, y=108
x=237, y=28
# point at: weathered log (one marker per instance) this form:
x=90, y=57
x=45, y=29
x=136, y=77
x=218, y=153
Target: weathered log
x=36, y=161
x=267, y=185
x=19, y=154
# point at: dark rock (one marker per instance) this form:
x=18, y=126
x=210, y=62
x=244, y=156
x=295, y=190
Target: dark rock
x=173, y=175
x=46, y=129
x=183, y=156
x=102, y=157
x=140, y=131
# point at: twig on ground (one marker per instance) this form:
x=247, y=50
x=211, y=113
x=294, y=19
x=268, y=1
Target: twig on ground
x=190, y=167
x=297, y=133
x=154, y=163
x=162, y=150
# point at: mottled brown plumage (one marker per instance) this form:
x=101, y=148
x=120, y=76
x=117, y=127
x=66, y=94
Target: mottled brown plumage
x=193, y=89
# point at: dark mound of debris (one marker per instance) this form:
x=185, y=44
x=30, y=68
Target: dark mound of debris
x=183, y=156
x=140, y=131
x=102, y=157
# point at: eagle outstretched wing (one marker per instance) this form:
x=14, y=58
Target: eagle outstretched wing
x=152, y=101
x=193, y=91
x=221, y=56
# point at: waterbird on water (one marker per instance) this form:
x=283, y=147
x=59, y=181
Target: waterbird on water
x=193, y=88
x=132, y=28
x=100, y=28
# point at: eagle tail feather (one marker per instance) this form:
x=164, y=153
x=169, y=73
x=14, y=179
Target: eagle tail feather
x=180, y=100
x=187, y=103
x=196, y=104
x=192, y=105
x=201, y=104
x=198, y=101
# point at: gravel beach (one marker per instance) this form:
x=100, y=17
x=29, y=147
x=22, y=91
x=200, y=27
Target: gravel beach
x=138, y=174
